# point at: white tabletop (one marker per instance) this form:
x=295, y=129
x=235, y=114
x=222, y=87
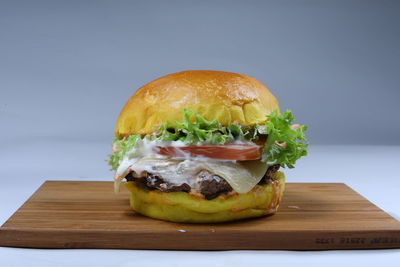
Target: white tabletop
x=370, y=170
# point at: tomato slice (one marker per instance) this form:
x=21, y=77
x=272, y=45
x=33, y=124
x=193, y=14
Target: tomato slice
x=223, y=152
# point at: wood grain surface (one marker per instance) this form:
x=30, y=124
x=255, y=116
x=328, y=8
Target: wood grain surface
x=312, y=216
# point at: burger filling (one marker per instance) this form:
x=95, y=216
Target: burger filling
x=207, y=159
x=208, y=184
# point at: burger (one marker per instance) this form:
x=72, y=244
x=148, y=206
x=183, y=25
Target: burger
x=204, y=147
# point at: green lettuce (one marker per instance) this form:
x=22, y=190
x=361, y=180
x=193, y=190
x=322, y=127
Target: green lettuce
x=284, y=145
x=200, y=131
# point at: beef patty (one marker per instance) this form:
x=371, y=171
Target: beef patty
x=207, y=183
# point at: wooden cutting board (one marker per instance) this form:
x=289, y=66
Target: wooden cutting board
x=312, y=216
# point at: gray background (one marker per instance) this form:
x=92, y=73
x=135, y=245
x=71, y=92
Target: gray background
x=67, y=67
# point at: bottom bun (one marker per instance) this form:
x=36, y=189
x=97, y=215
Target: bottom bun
x=189, y=208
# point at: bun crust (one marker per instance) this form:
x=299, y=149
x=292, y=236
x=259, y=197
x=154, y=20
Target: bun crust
x=225, y=96
x=187, y=208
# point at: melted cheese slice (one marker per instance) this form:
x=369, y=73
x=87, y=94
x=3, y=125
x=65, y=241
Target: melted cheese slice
x=242, y=177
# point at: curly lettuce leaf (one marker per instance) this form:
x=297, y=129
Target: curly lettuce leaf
x=200, y=131
x=286, y=142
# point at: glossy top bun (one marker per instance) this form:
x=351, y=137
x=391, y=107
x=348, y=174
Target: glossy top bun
x=225, y=96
